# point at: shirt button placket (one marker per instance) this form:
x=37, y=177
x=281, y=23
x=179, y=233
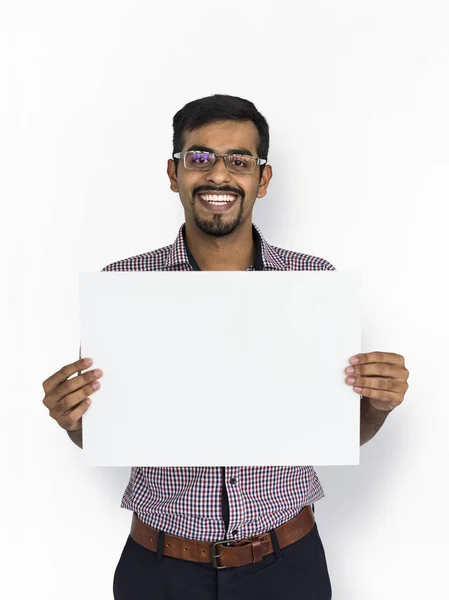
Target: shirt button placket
x=233, y=482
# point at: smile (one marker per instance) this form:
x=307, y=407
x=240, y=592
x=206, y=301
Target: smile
x=218, y=202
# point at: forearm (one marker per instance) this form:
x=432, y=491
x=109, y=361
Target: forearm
x=76, y=437
x=371, y=420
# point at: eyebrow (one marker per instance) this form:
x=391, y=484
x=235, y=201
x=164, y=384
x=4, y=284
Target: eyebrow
x=230, y=151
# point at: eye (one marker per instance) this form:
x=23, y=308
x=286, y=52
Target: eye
x=201, y=158
x=240, y=161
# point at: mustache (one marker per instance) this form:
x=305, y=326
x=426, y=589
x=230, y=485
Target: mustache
x=204, y=189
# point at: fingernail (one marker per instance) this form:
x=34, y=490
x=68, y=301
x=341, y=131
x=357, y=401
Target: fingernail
x=87, y=362
x=353, y=360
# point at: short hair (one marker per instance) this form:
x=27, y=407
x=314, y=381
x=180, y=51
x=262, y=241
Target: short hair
x=219, y=107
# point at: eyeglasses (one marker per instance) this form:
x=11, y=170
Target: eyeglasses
x=195, y=160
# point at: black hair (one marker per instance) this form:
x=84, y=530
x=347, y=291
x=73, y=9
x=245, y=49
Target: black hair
x=219, y=107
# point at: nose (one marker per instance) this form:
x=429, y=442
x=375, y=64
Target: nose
x=218, y=174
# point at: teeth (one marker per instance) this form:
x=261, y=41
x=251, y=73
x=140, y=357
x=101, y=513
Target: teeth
x=218, y=198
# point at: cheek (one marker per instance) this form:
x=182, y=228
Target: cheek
x=184, y=190
x=187, y=183
x=249, y=187
x=252, y=190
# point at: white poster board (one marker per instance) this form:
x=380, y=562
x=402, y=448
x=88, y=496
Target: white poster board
x=221, y=367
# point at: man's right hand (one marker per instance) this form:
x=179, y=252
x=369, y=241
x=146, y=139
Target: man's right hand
x=67, y=398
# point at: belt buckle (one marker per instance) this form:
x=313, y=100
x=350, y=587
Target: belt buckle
x=213, y=550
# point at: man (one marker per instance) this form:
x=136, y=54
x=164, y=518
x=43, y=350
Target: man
x=266, y=514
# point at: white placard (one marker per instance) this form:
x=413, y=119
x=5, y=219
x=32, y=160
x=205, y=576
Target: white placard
x=221, y=367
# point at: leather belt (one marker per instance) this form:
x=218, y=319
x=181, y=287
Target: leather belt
x=224, y=553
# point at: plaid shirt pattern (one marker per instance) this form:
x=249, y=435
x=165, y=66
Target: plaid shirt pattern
x=186, y=501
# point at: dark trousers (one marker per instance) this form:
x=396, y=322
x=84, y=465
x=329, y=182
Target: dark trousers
x=297, y=572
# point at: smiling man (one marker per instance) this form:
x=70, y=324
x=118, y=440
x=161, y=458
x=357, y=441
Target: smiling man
x=203, y=533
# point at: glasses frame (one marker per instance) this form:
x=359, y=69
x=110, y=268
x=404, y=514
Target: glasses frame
x=182, y=155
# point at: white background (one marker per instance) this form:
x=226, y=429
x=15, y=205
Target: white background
x=356, y=95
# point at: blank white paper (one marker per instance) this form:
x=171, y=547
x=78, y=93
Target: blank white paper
x=221, y=368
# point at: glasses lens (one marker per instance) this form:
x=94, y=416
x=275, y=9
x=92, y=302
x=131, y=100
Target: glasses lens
x=239, y=163
x=203, y=161
x=199, y=161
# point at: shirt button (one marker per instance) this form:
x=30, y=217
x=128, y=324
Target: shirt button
x=232, y=481
x=235, y=532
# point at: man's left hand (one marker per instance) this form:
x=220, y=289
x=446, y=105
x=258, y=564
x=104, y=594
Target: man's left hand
x=381, y=377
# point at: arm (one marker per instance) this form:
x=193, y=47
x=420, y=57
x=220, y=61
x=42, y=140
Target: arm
x=371, y=420
x=76, y=437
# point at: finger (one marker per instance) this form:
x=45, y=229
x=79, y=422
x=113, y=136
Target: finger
x=76, y=383
x=387, y=400
x=69, y=401
x=380, y=370
x=378, y=383
x=381, y=357
x=67, y=371
x=72, y=420
x=70, y=386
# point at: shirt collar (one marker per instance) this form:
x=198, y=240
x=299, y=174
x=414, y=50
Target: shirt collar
x=267, y=259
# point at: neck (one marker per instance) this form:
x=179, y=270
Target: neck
x=234, y=252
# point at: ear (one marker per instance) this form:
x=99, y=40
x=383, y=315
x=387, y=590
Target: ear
x=171, y=172
x=265, y=180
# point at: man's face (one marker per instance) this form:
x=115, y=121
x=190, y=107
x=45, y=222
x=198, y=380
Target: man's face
x=224, y=137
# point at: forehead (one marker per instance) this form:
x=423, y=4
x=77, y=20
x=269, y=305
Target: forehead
x=223, y=135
